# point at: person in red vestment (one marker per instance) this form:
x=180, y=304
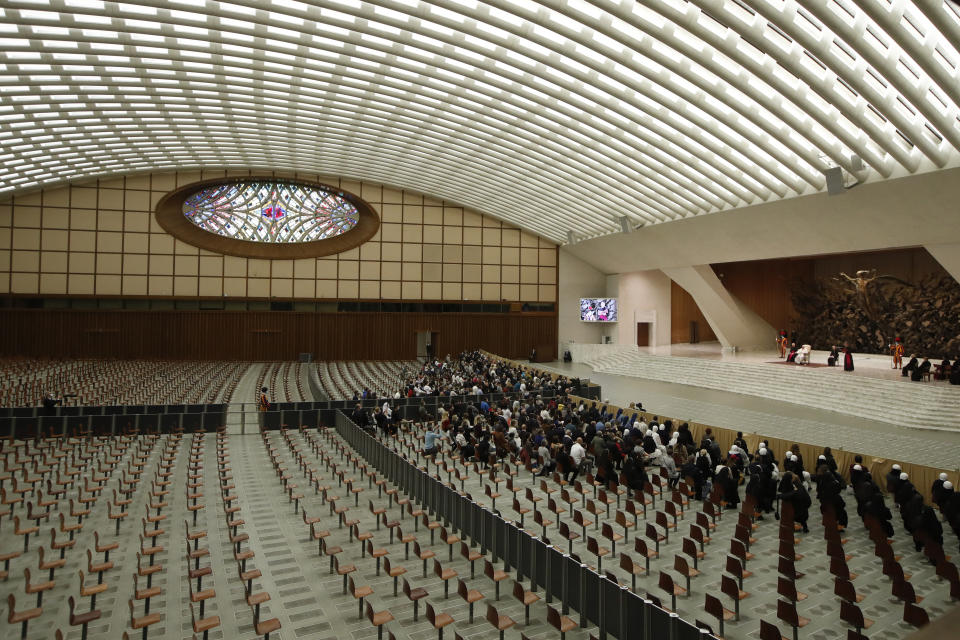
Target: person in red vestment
x=847, y=358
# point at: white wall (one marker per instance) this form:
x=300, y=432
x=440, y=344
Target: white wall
x=578, y=280
x=644, y=297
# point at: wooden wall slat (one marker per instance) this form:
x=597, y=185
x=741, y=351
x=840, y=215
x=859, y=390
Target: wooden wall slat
x=265, y=335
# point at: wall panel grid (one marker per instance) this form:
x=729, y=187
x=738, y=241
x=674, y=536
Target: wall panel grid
x=100, y=238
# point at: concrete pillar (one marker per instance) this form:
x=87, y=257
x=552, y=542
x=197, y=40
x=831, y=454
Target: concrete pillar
x=948, y=255
x=737, y=326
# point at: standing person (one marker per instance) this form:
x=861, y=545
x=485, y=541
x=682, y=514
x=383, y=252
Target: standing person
x=833, y=357
x=782, y=343
x=263, y=402
x=577, y=454
x=896, y=350
x=847, y=358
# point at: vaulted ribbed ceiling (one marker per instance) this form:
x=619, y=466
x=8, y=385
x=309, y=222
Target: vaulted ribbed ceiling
x=553, y=116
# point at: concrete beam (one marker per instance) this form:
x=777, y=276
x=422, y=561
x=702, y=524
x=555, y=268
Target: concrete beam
x=735, y=324
x=948, y=255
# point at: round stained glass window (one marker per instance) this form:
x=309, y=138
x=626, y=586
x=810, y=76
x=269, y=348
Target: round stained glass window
x=271, y=212
x=263, y=217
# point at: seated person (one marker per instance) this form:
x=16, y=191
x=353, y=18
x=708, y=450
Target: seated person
x=792, y=356
x=910, y=366
x=955, y=372
x=943, y=370
x=833, y=357
x=918, y=373
x=803, y=356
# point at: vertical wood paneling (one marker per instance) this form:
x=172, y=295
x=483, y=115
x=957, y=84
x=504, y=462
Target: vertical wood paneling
x=264, y=335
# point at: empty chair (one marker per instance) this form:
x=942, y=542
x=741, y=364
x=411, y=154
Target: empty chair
x=852, y=615
x=22, y=617
x=527, y=598
x=788, y=589
x=714, y=607
x=439, y=621
x=378, y=619
x=903, y=591
x=496, y=575
x=559, y=622
x=203, y=625
x=681, y=566
x=769, y=631
x=470, y=596
x=414, y=595
x=728, y=587
x=787, y=612
x=915, y=616
x=666, y=584
x=446, y=575
x=144, y=621
x=499, y=622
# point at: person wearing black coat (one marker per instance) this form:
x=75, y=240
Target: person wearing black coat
x=727, y=482
x=927, y=528
x=875, y=506
x=791, y=490
x=911, y=511
x=684, y=436
x=828, y=492
x=910, y=366
x=831, y=462
x=936, y=491
x=917, y=374
x=893, y=479
x=755, y=485
x=905, y=490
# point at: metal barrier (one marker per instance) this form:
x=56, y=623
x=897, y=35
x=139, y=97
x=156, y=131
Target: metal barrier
x=614, y=609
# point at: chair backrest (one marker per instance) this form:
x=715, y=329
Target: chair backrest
x=713, y=606
x=696, y=533
x=462, y=589
x=690, y=547
x=787, y=612
x=786, y=588
x=592, y=546
x=651, y=531
x=369, y=609
x=851, y=614
x=553, y=617
x=665, y=582
x=626, y=563
x=564, y=530
x=631, y=508
x=904, y=591
x=437, y=569
x=680, y=565
x=670, y=508
x=492, y=616
x=769, y=631
x=640, y=546
x=607, y=531
x=537, y=517
x=578, y=517
x=431, y=615
x=662, y=519
x=728, y=586
x=518, y=591
x=488, y=569
x=914, y=615
x=843, y=588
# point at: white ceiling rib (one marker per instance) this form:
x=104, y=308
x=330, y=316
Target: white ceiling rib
x=553, y=116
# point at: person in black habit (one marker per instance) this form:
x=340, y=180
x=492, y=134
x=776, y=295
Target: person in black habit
x=874, y=505
x=955, y=372
x=917, y=374
x=828, y=492
x=893, y=479
x=910, y=366
x=936, y=490
x=727, y=479
x=833, y=357
x=847, y=358
x=792, y=490
x=792, y=356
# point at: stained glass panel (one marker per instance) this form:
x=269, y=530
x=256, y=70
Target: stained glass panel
x=274, y=212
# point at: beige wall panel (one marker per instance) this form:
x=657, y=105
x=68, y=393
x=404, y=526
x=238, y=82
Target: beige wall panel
x=432, y=291
x=412, y=252
x=432, y=215
x=111, y=199
x=109, y=285
x=186, y=266
x=491, y=291
x=371, y=192
x=548, y=275
x=432, y=272
x=6, y=214
x=160, y=243
x=110, y=241
x=391, y=213
x=161, y=265
x=186, y=177
x=210, y=287
x=110, y=220
x=547, y=293
x=136, y=242
x=491, y=255
x=472, y=255
x=352, y=254
x=109, y=263
x=110, y=183
x=472, y=291
x=452, y=291
x=83, y=241
x=412, y=233
x=510, y=255
x=410, y=272
x=411, y=291
x=390, y=290
x=54, y=240
x=491, y=222
x=491, y=236
x=528, y=292
x=370, y=289
x=136, y=221
x=390, y=251
x=491, y=273
x=282, y=288
x=412, y=198
x=184, y=248
x=4, y=260
x=81, y=262
x=57, y=197
x=235, y=287
x=138, y=182
x=510, y=238
x=258, y=287
x=433, y=253
x=25, y=217
x=453, y=216
x=83, y=219
x=548, y=257
x=472, y=218
x=348, y=289
x=304, y=288
x=510, y=273
x=79, y=284
x=136, y=264
x=55, y=218
x=349, y=270
x=353, y=186
x=510, y=292
x=471, y=273
x=134, y=285
x=433, y=234
x=211, y=266
x=306, y=268
x=528, y=256
x=28, y=283
x=234, y=267
x=26, y=239
x=452, y=273
x=327, y=269
x=452, y=254
x=391, y=232
x=281, y=269
x=369, y=271
x=453, y=235
x=26, y=261
x=83, y=197
x=53, y=283
x=528, y=239
x=412, y=214
x=163, y=182
x=53, y=262
x=257, y=268
x=370, y=251
x=529, y=275
x=472, y=235
x=392, y=196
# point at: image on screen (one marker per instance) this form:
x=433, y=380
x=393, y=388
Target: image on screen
x=598, y=309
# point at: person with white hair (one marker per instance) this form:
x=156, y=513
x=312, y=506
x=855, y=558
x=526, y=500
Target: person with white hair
x=893, y=478
x=936, y=491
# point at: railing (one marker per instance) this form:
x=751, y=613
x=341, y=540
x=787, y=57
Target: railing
x=30, y=422
x=614, y=609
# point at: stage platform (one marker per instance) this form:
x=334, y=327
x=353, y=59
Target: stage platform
x=872, y=409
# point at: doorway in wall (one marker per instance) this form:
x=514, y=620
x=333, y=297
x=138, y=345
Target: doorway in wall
x=643, y=334
x=427, y=343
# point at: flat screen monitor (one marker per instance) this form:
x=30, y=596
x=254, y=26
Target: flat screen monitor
x=598, y=309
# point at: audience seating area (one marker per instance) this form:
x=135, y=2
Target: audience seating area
x=285, y=382
x=343, y=380
x=913, y=405
x=23, y=382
